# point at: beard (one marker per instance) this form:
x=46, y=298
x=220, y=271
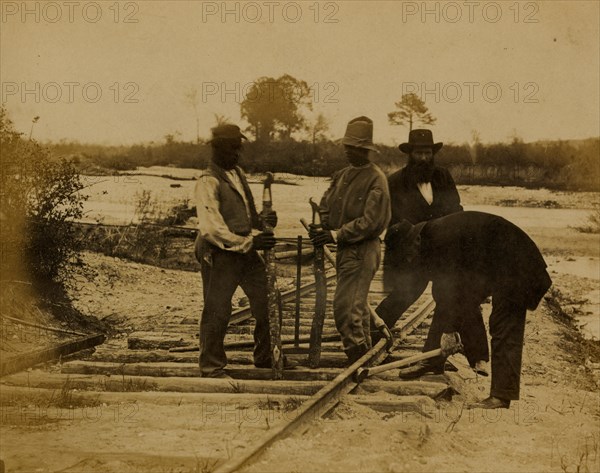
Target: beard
x=358, y=161
x=226, y=161
x=421, y=171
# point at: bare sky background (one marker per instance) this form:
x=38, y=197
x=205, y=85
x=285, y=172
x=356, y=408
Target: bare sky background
x=543, y=57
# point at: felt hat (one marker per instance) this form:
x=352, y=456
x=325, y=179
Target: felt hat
x=359, y=133
x=403, y=234
x=420, y=138
x=226, y=131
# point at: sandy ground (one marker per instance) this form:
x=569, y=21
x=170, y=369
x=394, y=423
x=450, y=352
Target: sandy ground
x=554, y=427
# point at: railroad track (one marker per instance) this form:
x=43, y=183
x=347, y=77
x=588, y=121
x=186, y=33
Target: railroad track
x=162, y=366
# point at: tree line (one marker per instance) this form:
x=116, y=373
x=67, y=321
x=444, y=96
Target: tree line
x=568, y=165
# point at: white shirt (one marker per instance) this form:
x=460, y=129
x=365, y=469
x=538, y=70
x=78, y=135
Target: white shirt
x=426, y=191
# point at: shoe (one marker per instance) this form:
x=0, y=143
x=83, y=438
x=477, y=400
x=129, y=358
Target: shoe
x=218, y=375
x=481, y=368
x=420, y=369
x=287, y=364
x=355, y=353
x=491, y=403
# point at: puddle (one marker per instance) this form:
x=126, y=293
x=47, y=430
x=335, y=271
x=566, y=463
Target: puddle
x=589, y=322
x=584, y=267
x=588, y=313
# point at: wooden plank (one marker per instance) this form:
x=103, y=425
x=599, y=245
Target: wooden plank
x=248, y=342
x=171, y=369
x=136, y=384
x=39, y=379
x=328, y=359
x=22, y=361
x=21, y=394
x=154, y=341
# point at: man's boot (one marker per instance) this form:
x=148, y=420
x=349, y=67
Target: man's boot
x=356, y=352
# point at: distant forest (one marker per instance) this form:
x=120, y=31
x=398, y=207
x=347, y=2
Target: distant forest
x=565, y=165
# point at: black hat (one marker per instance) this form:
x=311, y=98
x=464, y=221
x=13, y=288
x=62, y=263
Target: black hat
x=226, y=131
x=420, y=138
x=403, y=234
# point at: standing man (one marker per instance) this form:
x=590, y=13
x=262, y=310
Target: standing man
x=422, y=191
x=470, y=256
x=227, y=252
x=355, y=210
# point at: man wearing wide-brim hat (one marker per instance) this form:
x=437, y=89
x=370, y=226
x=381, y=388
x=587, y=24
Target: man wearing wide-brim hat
x=470, y=256
x=355, y=210
x=227, y=251
x=420, y=192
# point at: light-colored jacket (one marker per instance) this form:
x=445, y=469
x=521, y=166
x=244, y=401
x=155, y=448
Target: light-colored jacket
x=357, y=204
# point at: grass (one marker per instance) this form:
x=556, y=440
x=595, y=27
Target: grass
x=593, y=223
x=38, y=409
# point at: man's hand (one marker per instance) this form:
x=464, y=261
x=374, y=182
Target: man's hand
x=319, y=236
x=450, y=344
x=387, y=334
x=270, y=218
x=263, y=241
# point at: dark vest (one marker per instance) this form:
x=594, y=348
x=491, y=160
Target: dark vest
x=231, y=203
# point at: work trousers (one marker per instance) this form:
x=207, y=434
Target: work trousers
x=222, y=272
x=356, y=265
x=407, y=286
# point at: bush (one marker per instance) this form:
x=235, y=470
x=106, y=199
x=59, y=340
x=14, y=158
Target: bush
x=40, y=198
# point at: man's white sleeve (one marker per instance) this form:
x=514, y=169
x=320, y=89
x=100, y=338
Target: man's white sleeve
x=211, y=225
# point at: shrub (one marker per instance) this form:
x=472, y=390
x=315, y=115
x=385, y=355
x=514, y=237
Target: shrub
x=40, y=198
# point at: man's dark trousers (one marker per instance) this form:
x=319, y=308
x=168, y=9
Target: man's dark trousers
x=507, y=329
x=406, y=287
x=220, y=278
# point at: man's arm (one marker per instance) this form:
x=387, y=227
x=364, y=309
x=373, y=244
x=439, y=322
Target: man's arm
x=324, y=203
x=211, y=225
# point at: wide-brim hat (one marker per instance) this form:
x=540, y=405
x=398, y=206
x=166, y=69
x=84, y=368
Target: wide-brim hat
x=403, y=234
x=420, y=138
x=359, y=133
x=226, y=131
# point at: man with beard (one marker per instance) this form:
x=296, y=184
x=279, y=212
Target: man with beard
x=355, y=210
x=227, y=252
x=422, y=191
x=470, y=256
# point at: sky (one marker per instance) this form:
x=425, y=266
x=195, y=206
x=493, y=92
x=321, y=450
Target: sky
x=118, y=72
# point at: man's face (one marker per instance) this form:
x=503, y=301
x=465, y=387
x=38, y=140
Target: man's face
x=227, y=152
x=422, y=154
x=421, y=163
x=356, y=156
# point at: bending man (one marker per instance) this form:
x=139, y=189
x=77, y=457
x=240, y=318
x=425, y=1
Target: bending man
x=470, y=256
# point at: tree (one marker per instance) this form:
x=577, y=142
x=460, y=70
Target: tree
x=411, y=109
x=191, y=97
x=319, y=128
x=221, y=119
x=273, y=107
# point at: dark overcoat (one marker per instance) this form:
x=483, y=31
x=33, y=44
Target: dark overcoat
x=408, y=202
x=475, y=254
